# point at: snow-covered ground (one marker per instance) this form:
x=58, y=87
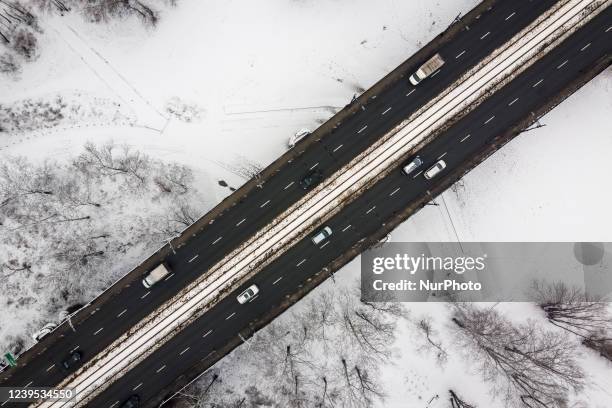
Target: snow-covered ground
x=218, y=83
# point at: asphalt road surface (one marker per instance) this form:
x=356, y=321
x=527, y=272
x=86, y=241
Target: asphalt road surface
x=366, y=215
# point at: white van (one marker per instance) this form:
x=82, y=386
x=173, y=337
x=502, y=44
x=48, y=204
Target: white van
x=157, y=274
x=425, y=70
x=435, y=169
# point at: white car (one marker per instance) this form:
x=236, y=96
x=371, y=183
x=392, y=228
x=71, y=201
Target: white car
x=299, y=135
x=248, y=294
x=435, y=169
x=322, y=235
x=47, y=328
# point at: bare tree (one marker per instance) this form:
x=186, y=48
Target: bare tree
x=424, y=326
x=525, y=364
x=457, y=402
x=573, y=310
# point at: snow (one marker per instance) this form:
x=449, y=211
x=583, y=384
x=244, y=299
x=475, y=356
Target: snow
x=244, y=76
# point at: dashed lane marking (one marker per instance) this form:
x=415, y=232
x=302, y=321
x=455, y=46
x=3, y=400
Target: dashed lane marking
x=562, y=64
x=115, y=403
x=362, y=129
x=460, y=54
x=315, y=165
x=386, y=110
x=337, y=148
x=136, y=387
x=394, y=191
x=243, y=220
x=219, y=239
x=98, y=331
x=184, y=351
x=169, y=276
x=410, y=93
x=230, y=316
x=289, y=185
x=417, y=175
x=193, y=259
x=324, y=245
x=510, y=16
x=513, y=101
x=160, y=369
x=608, y=29
x=122, y=312
x=28, y=384
x=370, y=210
x=485, y=35
x=301, y=262
x=207, y=333
x=585, y=47
x=537, y=83
x=347, y=227
x=74, y=349
x=145, y=295
x=442, y=155
x=264, y=204
x=277, y=280
x=435, y=73
x=490, y=119
x=50, y=367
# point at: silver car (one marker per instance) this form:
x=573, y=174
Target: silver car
x=412, y=166
x=248, y=294
x=322, y=235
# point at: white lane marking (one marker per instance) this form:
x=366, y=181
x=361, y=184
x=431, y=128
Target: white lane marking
x=207, y=333
x=394, y=191
x=169, y=276
x=537, y=83
x=417, y=175
x=435, y=73
x=114, y=403
x=337, y=148
x=253, y=298
x=585, y=47
x=193, y=259
x=1, y=405
x=276, y=281
x=370, y=210
x=50, y=367
x=184, y=351
x=362, y=129
x=220, y=238
x=289, y=185
x=160, y=369
x=301, y=262
x=490, y=119
x=510, y=16
x=122, y=312
x=465, y=138
x=324, y=245
x=387, y=110
x=347, y=227
x=442, y=155
x=410, y=93
x=514, y=100
x=145, y=295
x=98, y=331
x=74, y=349
x=486, y=34
x=562, y=64
x=315, y=165
x=230, y=316
x=28, y=384
x=608, y=29
x=460, y=54
x=136, y=387
x=264, y=204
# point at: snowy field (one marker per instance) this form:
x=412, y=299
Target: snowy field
x=218, y=85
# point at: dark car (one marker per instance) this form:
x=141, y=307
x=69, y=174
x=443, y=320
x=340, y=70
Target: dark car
x=73, y=360
x=132, y=402
x=311, y=179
